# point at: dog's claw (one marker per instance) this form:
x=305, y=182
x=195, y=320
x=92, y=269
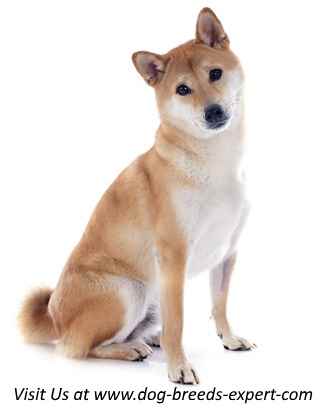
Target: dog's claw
x=195, y=376
x=142, y=353
x=242, y=348
x=140, y=357
x=182, y=381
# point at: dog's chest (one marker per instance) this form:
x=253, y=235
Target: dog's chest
x=209, y=217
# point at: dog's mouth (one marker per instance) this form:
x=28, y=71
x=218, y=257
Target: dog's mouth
x=223, y=123
x=218, y=126
x=209, y=129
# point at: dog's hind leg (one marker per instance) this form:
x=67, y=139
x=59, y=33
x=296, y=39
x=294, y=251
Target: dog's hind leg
x=99, y=318
x=148, y=329
x=100, y=323
x=219, y=283
x=153, y=333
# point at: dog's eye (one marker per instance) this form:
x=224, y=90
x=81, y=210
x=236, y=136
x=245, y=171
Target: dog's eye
x=215, y=74
x=183, y=89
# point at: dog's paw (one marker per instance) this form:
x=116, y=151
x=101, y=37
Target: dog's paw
x=154, y=341
x=235, y=343
x=138, y=351
x=183, y=373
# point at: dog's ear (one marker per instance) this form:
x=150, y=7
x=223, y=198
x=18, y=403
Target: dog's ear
x=150, y=66
x=210, y=31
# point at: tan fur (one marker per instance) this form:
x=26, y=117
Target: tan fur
x=97, y=317
x=35, y=323
x=134, y=243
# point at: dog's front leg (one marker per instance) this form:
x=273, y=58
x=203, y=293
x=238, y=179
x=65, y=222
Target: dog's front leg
x=172, y=265
x=219, y=284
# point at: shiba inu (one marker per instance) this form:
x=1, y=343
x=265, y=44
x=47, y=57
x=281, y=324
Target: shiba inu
x=177, y=209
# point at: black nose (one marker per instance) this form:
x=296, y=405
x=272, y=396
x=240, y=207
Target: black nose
x=215, y=116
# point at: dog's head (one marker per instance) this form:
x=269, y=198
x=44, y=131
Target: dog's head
x=198, y=84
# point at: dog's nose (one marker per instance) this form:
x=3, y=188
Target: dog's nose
x=215, y=116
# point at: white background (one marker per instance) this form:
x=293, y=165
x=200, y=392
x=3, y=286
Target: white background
x=74, y=113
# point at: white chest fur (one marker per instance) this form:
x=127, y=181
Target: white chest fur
x=210, y=217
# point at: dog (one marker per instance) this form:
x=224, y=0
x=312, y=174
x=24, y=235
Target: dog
x=177, y=209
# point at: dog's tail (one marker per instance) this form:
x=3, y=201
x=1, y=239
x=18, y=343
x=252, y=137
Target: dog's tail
x=34, y=320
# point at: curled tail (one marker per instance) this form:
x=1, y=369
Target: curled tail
x=35, y=322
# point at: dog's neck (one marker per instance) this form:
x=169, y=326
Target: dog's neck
x=218, y=156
